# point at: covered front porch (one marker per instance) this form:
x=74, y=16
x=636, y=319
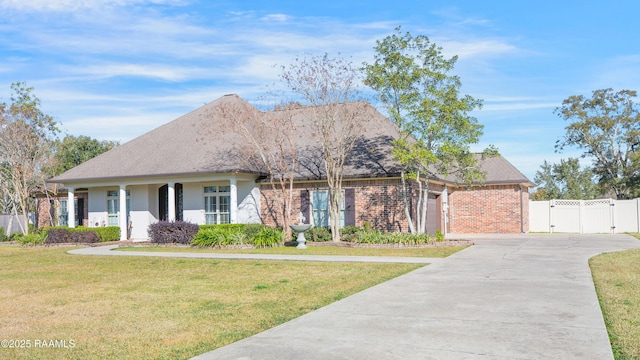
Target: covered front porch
x=213, y=199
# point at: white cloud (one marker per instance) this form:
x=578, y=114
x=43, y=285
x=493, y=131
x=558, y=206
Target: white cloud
x=476, y=48
x=158, y=71
x=76, y=5
x=280, y=18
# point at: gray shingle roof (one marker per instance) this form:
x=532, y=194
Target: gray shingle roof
x=204, y=142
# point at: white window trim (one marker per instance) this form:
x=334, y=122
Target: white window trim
x=218, y=195
x=115, y=217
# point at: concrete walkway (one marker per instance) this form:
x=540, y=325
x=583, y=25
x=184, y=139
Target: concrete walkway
x=507, y=297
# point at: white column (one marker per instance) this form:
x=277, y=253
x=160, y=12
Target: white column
x=71, y=208
x=234, y=201
x=122, y=215
x=171, y=195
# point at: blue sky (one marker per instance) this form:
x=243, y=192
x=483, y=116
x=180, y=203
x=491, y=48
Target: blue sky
x=117, y=69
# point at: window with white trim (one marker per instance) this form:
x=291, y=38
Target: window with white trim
x=217, y=204
x=63, y=215
x=113, y=207
x=320, y=208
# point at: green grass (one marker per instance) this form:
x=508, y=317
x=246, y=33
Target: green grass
x=160, y=308
x=435, y=252
x=617, y=280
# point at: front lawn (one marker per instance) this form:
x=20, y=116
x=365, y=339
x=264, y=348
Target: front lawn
x=617, y=280
x=431, y=252
x=158, y=308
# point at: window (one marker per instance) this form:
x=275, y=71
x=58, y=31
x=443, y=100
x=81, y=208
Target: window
x=217, y=204
x=63, y=214
x=63, y=217
x=320, y=208
x=113, y=207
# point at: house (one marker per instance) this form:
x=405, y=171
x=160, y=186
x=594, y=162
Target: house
x=195, y=169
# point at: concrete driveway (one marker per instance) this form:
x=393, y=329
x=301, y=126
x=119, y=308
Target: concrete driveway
x=507, y=297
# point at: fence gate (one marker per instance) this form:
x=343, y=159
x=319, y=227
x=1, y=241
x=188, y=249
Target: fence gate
x=581, y=216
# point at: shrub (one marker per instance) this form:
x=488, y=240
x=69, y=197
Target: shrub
x=378, y=237
x=439, y=235
x=107, y=233
x=268, y=237
x=252, y=229
x=57, y=235
x=349, y=233
x=318, y=234
x=226, y=234
x=210, y=237
x=238, y=238
x=3, y=235
x=168, y=232
x=226, y=227
x=31, y=239
x=85, y=237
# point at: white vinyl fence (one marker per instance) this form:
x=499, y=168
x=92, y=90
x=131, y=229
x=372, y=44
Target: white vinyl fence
x=584, y=216
x=12, y=221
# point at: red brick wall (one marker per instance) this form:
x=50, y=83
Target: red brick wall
x=44, y=211
x=488, y=209
x=377, y=202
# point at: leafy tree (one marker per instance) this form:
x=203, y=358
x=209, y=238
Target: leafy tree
x=607, y=127
x=414, y=84
x=565, y=181
x=326, y=84
x=74, y=150
x=26, y=149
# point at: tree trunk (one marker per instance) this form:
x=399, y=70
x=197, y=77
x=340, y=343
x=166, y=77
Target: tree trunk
x=335, y=197
x=419, y=227
x=407, y=213
x=425, y=207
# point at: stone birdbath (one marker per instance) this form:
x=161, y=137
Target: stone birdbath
x=300, y=228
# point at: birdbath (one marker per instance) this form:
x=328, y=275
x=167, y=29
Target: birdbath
x=300, y=228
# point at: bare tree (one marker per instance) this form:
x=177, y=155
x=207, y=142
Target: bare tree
x=326, y=85
x=272, y=151
x=26, y=136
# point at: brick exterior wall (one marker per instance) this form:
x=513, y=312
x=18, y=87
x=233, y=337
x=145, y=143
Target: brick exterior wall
x=378, y=202
x=45, y=212
x=488, y=209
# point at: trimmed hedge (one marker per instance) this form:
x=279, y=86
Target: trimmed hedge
x=102, y=234
x=172, y=232
x=106, y=233
x=70, y=235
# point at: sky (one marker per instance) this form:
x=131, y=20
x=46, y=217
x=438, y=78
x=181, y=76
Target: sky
x=116, y=69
